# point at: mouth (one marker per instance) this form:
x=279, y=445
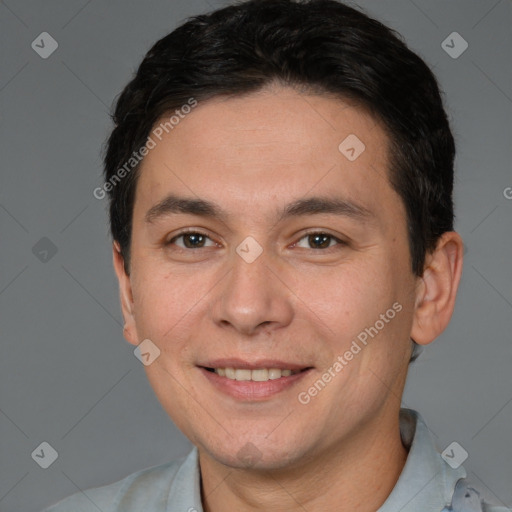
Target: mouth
x=253, y=382
x=256, y=375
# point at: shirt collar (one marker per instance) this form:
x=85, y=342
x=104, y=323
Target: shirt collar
x=426, y=482
x=185, y=491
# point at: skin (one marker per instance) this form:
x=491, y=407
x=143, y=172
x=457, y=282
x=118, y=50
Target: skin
x=298, y=303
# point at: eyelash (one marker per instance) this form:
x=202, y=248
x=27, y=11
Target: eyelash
x=340, y=243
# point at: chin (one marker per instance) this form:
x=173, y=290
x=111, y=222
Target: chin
x=258, y=453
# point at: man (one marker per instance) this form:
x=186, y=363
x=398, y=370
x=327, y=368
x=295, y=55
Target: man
x=280, y=180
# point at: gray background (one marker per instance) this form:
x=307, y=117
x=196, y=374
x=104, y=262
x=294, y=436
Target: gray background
x=67, y=376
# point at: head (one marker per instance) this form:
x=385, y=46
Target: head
x=308, y=136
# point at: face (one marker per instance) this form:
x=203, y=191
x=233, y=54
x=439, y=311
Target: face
x=295, y=274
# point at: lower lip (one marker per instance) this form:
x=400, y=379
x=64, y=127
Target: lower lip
x=251, y=390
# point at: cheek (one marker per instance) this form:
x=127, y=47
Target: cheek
x=171, y=308
x=349, y=297
x=369, y=315
x=161, y=301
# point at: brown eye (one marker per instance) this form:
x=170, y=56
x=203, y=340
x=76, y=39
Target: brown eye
x=191, y=240
x=319, y=240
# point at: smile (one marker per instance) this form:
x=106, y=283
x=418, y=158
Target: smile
x=257, y=375
x=253, y=382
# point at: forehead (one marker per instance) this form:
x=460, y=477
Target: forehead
x=278, y=119
x=267, y=146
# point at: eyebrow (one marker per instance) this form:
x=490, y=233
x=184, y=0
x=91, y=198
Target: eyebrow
x=173, y=204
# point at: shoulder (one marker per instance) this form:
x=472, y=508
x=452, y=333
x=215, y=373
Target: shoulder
x=484, y=508
x=468, y=497
x=450, y=487
x=150, y=485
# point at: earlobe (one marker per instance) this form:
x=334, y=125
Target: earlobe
x=125, y=295
x=437, y=289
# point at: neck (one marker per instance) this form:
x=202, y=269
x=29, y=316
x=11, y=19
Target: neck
x=358, y=473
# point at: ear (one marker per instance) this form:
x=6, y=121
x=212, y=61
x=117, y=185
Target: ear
x=126, y=296
x=437, y=289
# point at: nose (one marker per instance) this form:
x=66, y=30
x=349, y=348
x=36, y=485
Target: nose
x=253, y=297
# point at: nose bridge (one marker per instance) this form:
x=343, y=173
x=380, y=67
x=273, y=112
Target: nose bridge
x=251, y=294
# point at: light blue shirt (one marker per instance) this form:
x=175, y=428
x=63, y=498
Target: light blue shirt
x=427, y=484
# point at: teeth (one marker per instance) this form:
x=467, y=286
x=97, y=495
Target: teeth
x=259, y=375
x=274, y=373
x=243, y=374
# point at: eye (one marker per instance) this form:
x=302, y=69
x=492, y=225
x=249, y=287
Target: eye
x=319, y=240
x=199, y=240
x=191, y=240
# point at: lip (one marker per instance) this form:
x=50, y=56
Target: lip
x=253, y=391
x=253, y=365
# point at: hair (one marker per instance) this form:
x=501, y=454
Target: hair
x=318, y=46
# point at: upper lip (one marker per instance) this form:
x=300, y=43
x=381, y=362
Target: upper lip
x=253, y=365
